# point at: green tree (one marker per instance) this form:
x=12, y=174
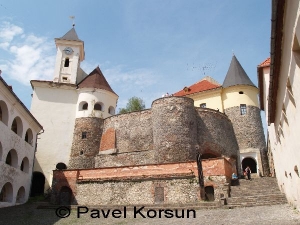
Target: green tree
x=134, y=104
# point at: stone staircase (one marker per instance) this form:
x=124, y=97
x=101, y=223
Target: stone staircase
x=255, y=192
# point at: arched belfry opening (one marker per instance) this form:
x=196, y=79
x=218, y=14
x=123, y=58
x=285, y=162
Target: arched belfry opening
x=248, y=161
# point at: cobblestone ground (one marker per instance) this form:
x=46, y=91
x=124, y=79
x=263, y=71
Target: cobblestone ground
x=275, y=215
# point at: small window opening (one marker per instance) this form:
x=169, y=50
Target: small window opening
x=67, y=62
x=65, y=79
x=241, y=92
x=83, y=135
x=111, y=110
x=203, y=105
x=243, y=109
x=97, y=106
x=81, y=153
x=85, y=106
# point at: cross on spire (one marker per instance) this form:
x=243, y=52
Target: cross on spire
x=73, y=20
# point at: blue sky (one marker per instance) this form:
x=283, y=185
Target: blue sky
x=144, y=48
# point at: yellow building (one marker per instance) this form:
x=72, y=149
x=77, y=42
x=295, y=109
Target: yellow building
x=237, y=97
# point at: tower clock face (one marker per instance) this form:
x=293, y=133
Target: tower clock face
x=68, y=50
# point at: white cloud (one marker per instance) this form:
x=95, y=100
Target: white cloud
x=8, y=31
x=32, y=57
x=137, y=78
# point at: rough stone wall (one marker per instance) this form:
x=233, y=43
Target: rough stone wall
x=133, y=131
x=84, y=150
x=216, y=134
x=220, y=184
x=125, y=159
x=174, y=129
x=134, y=192
x=249, y=132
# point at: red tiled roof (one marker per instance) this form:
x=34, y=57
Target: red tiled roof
x=265, y=63
x=202, y=85
x=95, y=80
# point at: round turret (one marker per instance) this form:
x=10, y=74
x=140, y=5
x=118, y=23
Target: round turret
x=174, y=129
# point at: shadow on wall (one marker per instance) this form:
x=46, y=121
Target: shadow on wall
x=63, y=187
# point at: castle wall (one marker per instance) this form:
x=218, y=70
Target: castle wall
x=215, y=133
x=183, y=190
x=249, y=133
x=174, y=129
x=132, y=185
x=133, y=140
x=84, y=149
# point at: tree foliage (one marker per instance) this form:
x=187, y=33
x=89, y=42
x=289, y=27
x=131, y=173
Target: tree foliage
x=134, y=104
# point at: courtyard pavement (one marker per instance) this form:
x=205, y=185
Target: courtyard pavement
x=29, y=214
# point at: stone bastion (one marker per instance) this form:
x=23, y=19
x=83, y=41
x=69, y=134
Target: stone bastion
x=172, y=131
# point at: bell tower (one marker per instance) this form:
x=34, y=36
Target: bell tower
x=70, y=52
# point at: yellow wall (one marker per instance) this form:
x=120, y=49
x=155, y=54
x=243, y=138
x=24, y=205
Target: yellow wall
x=227, y=97
x=231, y=96
x=211, y=98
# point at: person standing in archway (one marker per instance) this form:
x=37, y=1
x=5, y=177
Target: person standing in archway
x=248, y=172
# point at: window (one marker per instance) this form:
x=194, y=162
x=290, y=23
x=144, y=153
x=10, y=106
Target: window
x=3, y=113
x=25, y=165
x=111, y=110
x=65, y=79
x=14, y=126
x=85, y=106
x=83, y=135
x=67, y=62
x=61, y=166
x=97, y=106
x=241, y=92
x=17, y=126
x=8, y=159
x=243, y=109
x=203, y=105
x=12, y=158
x=29, y=136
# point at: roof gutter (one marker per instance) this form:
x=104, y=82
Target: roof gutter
x=276, y=50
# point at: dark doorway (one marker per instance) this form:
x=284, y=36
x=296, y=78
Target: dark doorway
x=37, y=185
x=209, y=193
x=251, y=163
x=65, y=196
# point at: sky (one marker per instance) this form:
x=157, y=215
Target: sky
x=145, y=48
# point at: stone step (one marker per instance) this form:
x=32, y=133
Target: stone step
x=255, y=192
